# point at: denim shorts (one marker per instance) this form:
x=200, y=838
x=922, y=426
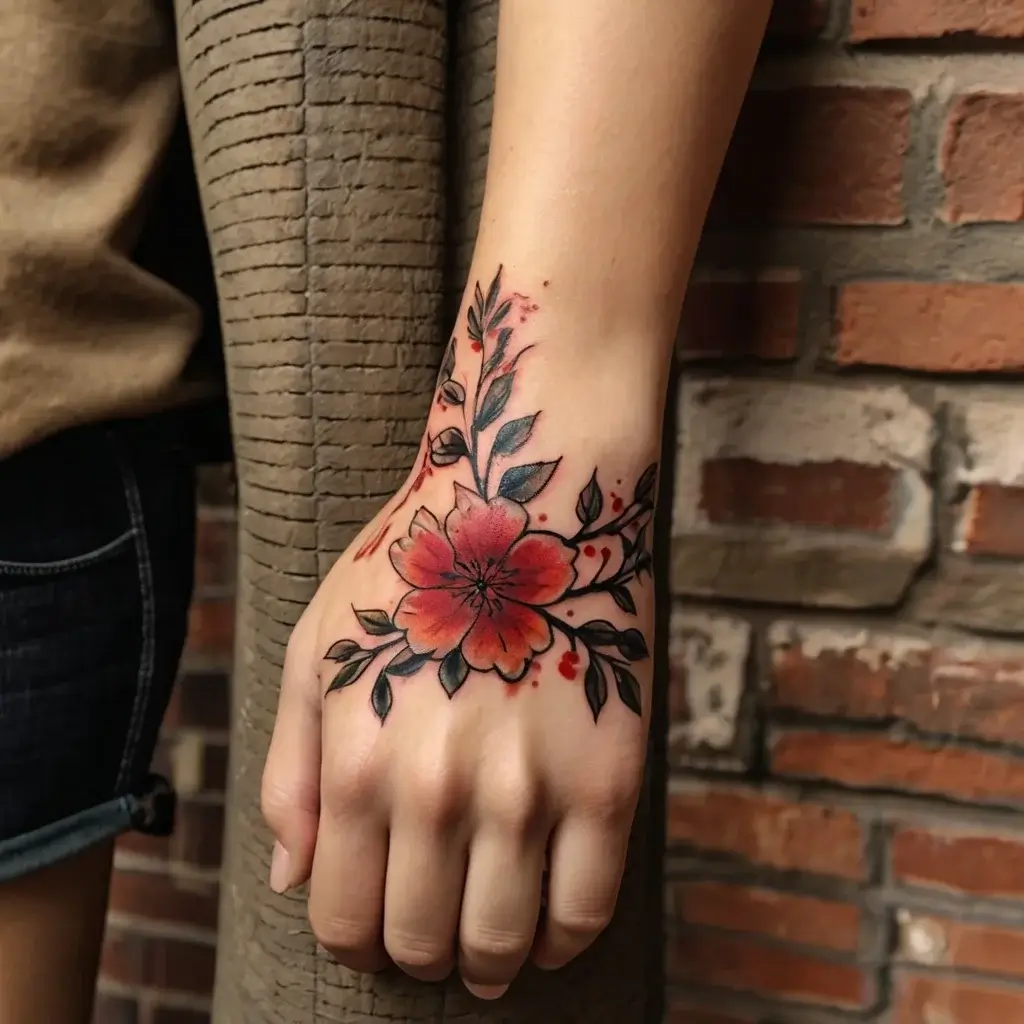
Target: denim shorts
x=96, y=563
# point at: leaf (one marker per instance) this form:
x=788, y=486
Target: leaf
x=478, y=296
x=524, y=483
x=453, y=392
x=493, y=292
x=375, y=622
x=448, y=363
x=632, y=645
x=448, y=447
x=595, y=686
x=342, y=650
x=590, y=502
x=499, y=314
x=453, y=672
x=473, y=325
x=500, y=348
x=643, y=494
x=599, y=633
x=350, y=673
x=629, y=689
x=406, y=662
x=513, y=435
x=495, y=400
x=624, y=599
x=380, y=696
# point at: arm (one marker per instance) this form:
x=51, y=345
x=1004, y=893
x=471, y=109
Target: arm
x=475, y=668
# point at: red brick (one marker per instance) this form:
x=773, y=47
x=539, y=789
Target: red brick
x=786, y=917
x=924, y=19
x=766, y=829
x=797, y=19
x=975, y=863
x=215, y=551
x=967, y=946
x=164, y=897
x=936, y=328
x=197, y=840
x=830, y=155
x=971, y=691
x=836, y=495
x=682, y=1011
x=983, y=158
x=211, y=629
x=993, y=522
x=735, y=319
x=728, y=962
x=201, y=700
x=884, y=762
x=158, y=962
x=215, y=767
x=111, y=1009
x=926, y=999
x=216, y=486
x=177, y=1015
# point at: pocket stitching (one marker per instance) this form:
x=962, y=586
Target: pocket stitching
x=11, y=568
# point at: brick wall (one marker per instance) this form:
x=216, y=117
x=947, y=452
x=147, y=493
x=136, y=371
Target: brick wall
x=847, y=694
x=847, y=642
x=161, y=932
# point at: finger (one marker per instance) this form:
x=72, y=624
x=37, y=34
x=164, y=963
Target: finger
x=290, y=791
x=586, y=862
x=425, y=877
x=346, y=890
x=500, y=909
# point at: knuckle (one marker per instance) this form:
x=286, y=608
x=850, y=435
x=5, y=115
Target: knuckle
x=349, y=782
x=343, y=937
x=612, y=797
x=436, y=795
x=483, y=943
x=582, y=922
x=511, y=802
x=419, y=952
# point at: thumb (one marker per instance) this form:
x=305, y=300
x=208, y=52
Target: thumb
x=290, y=793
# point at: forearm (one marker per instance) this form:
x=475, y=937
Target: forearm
x=610, y=124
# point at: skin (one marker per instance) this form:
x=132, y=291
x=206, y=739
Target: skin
x=426, y=838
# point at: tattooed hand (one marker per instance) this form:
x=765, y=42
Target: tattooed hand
x=474, y=675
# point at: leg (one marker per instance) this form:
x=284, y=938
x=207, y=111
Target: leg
x=95, y=581
x=51, y=928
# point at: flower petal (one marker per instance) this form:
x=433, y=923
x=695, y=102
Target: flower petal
x=505, y=638
x=538, y=569
x=481, y=532
x=435, y=621
x=424, y=558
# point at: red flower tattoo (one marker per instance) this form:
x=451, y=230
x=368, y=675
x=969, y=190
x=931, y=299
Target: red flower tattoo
x=484, y=583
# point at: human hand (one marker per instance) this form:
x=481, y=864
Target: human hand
x=465, y=701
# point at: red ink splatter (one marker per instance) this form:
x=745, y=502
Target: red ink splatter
x=566, y=670
x=546, y=283
x=619, y=482
x=536, y=666
x=617, y=505
x=572, y=657
x=511, y=689
x=543, y=517
x=534, y=684
x=522, y=319
x=569, y=614
x=476, y=346
x=606, y=553
x=534, y=308
x=373, y=543
x=590, y=551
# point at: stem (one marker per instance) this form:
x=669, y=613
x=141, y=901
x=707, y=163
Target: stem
x=594, y=587
x=617, y=525
x=474, y=435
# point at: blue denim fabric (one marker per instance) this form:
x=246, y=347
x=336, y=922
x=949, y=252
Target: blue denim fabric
x=96, y=555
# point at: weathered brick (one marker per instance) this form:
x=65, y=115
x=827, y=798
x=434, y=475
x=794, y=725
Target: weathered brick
x=200, y=701
x=115, y=1009
x=958, y=860
x=211, y=630
x=930, y=999
x=130, y=958
x=765, y=829
x=993, y=521
x=829, y=155
x=730, y=962
x=683, y=1011
x=878, y=761
x=197, y=838
x=215, y=551
x=982, y=158
x=763, y=466
x=939, y=328
x=708, y=657
x=162, y=896
x=935, y=940
x=930, y=19
x=730, y=319
x=972, y=690
x=782, y=916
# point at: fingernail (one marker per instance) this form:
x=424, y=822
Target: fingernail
x=280, y=869
x=486, y=991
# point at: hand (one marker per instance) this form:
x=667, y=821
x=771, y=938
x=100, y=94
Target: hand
x=462, y=720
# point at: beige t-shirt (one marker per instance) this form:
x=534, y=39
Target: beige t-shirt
x=89, y=98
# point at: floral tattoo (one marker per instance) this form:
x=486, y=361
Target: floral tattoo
x=488, y=590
